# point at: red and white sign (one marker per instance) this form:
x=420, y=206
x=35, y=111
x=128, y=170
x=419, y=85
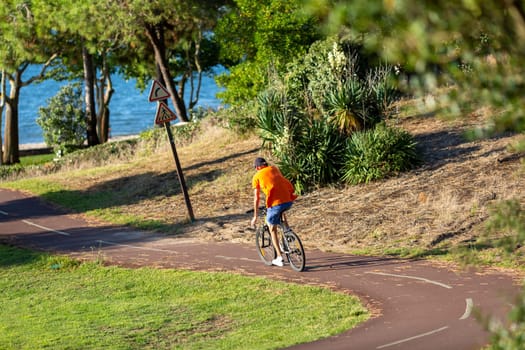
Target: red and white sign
x=164, y=114
x=158, y=92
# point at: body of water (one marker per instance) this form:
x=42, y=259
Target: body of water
x=131, y=111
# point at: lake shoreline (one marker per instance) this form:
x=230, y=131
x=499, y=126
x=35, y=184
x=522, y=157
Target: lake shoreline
x=41, y=148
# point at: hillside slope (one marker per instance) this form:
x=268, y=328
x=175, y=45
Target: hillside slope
x=441, y=203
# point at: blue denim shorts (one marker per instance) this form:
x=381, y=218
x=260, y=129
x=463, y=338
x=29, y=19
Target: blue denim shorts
x=273, y=214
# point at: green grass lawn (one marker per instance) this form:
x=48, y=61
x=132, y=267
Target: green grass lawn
x=52, y=302
x=37, y=159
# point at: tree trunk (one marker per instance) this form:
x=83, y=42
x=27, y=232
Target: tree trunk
x=156, y=36
x=194, y=93
x=104, y=94
x=89, y=90
x=11, y=154
x=103, y=124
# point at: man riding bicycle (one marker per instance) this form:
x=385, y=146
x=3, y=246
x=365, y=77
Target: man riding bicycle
x=279, y=194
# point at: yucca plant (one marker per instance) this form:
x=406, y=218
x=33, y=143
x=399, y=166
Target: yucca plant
x=278, y=122
x=356, y=103
x=346, y=107
x=317, y=157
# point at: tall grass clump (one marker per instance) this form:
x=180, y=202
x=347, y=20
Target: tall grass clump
x=307, y=117
x=377, y=153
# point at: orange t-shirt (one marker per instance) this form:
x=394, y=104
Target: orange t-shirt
x=274, y=185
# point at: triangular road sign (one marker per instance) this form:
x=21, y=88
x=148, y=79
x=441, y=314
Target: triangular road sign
x=164, y=114
x=158, y=92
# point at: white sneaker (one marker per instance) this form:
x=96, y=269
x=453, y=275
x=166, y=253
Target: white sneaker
x=278, y=261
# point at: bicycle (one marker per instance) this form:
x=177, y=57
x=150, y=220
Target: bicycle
x=290, y=244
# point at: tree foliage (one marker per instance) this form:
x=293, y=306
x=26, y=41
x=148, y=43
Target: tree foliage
x=259, y=36
x=476, y=50
x=173, y=36
x=62, y=120
x=23, y=42
x=477, y=47
x=168, y=40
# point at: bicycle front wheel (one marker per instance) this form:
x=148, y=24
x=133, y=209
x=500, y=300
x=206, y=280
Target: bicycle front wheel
x=295, y=252
x=263, y=242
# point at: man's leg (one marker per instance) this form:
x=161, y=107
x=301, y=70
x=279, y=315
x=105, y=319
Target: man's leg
x=275, y=240
x=273, y=220
x=284, y=219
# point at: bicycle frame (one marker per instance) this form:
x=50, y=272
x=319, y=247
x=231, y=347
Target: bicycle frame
x=289, y=243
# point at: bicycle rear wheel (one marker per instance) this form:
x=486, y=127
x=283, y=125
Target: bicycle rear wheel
x=295, y=252
x=263, y=242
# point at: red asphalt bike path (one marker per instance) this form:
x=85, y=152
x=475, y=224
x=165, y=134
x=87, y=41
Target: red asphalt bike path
x=416, y=304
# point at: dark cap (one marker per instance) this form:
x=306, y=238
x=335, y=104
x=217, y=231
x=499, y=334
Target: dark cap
x=260, y=162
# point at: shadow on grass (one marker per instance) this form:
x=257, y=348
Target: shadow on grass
x=11, y=256
x=222, y=159
x=447, y=146
x=466, y=254
x=443, y=147
x=129, y=190
x=109, y=195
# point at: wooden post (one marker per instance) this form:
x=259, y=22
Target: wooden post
x=159, y=93
x=179, y=172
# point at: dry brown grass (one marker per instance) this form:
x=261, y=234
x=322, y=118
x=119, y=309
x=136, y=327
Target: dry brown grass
x=443, y=202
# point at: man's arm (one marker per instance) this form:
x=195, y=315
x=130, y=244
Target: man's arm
x=256, y=193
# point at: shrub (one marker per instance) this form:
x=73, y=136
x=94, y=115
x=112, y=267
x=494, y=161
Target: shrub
x=309, y=151
x=507, y=222
x=7, y=171
x=317, y=158
x=63, y=120
x=352, y=95
x=306, y=117
x=155, y=137
x=378, y=153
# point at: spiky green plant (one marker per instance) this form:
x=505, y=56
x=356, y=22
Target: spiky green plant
x=346, y=107
x=278, y=122
x=317, y=157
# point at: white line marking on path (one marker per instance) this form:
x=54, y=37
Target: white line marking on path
x=468, y=309
x=232, y=258
x=46, y=228
x=39, y=226
x=413, y=278
x=136, y=247
x=412, y=338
